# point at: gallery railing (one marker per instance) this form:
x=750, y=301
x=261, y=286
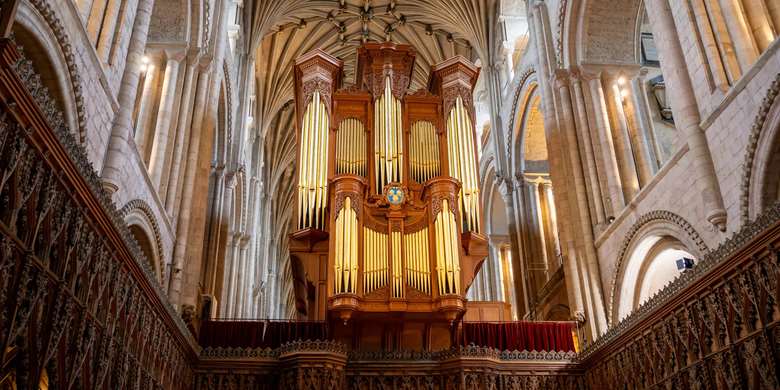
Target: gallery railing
x=80, y=308
x=715, y=327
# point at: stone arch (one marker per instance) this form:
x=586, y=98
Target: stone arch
x=527, y=90
x=140, y=219
x=660, y=223
x=492, y=203
x=45, y=43
x=761, y=167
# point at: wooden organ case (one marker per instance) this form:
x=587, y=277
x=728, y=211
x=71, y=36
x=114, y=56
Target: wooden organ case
x=387, y=238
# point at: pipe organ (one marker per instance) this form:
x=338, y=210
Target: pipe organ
x=397, y=236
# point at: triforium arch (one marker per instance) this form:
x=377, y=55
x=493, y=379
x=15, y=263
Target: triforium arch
x=44, y=42
x=760, y=186
x=144, y=228
x=525, y=88
x=650, y=234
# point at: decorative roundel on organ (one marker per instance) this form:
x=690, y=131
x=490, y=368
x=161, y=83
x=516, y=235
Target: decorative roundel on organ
x=395, y=195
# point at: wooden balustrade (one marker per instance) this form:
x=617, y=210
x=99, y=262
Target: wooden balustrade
x=80, y=308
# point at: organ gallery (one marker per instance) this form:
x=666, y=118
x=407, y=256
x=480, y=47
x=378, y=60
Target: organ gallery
x=388, y=219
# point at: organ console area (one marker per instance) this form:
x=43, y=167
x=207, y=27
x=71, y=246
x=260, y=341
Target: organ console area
x=387, y=236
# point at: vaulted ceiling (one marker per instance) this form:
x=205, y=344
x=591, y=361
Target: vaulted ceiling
x=283, y=30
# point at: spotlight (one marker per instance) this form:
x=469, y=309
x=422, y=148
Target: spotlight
x=621, y=80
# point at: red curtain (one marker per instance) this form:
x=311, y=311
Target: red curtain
x=253, y=334
x=522, y=335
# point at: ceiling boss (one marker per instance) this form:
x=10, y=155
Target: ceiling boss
x=388, y=200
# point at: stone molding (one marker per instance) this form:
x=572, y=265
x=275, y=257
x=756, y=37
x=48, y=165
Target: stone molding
x=521, y=86
x=662, y=216
x=755, y=136
x=142, y=207
x=45, y=9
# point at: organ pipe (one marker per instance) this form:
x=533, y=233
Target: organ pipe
x=423, y=152
x=417, y=262
x=351, y=148
x=374, y=260
x=447, y=252
x=346, y=271
x=398, y=279
x=313, y=166
x=388, y=139
x=462, y=164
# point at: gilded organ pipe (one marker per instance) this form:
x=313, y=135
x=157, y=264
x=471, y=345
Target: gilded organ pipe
x=388, y=139
x=398, y=279
x=417, y=260
x=346, y=261
x=423, y=152
x=374, y=260
x=462, y=164
x=447, y=251
x=313, y=166
x=351, y=148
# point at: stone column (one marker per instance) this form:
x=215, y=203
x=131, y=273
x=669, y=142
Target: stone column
x=122, y=128
x=615, y=202
x=512, y=192
x=229, y=286
x=107, y=32
x=539, y=219
x=642, y=159
x=244, y=277
x=188, y=182
x=162, y=131
x=644, y=121
x=551, y=222
x=183, y=124
x=145, y=107
x=686, y=111
x=597, y=314
x=622, y=138
x=739, y=29
x=585, y=136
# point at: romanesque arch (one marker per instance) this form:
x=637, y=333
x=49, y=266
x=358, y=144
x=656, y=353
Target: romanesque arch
x=651, y=233
x=144, y=227
x=44, y=41
x=761, y=168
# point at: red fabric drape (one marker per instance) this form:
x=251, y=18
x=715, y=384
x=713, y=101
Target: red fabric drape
x=253, y=334
x=522, y=335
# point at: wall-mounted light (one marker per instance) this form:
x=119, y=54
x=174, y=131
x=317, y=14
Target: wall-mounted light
x=144, y=63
